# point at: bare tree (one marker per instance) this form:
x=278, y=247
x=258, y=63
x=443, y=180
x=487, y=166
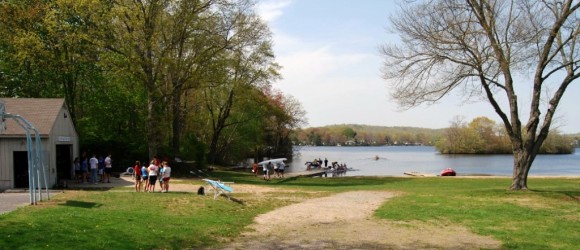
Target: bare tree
x=480, y=47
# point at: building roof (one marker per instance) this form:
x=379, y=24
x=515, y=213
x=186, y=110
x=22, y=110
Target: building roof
x=40, y=112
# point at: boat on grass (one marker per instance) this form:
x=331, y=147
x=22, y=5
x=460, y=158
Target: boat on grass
x=448, y=172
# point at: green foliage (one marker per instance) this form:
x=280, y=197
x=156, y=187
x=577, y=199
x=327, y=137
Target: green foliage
x=365, y=135
x=349, y=133
x=193, y=149
x=556, y=143
x=140, y=76
x=483, y=136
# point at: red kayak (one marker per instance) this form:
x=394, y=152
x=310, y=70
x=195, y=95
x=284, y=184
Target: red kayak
x=448, y=172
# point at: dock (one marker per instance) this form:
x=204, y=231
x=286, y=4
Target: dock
x=312, y=173
x=415, y=173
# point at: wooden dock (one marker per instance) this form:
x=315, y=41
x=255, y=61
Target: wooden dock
x=312, y=173
x=415, y=173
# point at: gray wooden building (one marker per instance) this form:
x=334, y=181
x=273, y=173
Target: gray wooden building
x=59, y=138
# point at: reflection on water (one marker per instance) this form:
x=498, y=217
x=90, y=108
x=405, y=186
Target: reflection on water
x=395, y=160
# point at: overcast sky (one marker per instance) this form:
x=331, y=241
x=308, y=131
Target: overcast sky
x=329, y=53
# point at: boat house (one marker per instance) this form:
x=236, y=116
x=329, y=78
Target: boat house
x=59, y=138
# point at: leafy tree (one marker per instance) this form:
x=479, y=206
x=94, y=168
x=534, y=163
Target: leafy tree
x=130, y=68
x=314, y=138
x=137, y=33
x=480, y=46
x=48, y=49
x=349, y=133
x=483, y=136
x=190, y=48
x=459, y=138
x=557, y=144
x=53, y=49
x=248, y=62
x=286, y=115
x=483, y=128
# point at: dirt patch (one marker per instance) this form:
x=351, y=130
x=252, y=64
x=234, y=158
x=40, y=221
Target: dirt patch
x=238, y=188
x=344, y=221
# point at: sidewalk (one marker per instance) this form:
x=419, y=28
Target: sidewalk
x=122, y=181
x=10, y=201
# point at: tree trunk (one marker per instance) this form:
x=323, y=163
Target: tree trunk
x=522, y=164
x=213, y=148
x=218, y=126
x=177, y=119
x=151, y=127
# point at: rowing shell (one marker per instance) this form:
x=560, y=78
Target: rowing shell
x=273, y=161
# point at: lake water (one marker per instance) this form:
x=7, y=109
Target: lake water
x=395, y=160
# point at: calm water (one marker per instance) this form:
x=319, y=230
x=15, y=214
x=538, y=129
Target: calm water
x=395, y=161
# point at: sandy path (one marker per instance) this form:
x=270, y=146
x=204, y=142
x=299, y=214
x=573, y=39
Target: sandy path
x=344, y=221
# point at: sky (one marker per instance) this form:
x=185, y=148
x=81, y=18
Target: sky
x=329, y=53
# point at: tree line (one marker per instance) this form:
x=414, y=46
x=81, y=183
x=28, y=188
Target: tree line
x=188, y=78
x=484, y=136
x=365, y=135
x=480, y=136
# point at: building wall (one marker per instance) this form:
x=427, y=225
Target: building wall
x=7, y=148
x=62, y=133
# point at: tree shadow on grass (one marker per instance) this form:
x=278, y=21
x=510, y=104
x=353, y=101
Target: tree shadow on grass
x=338, y=181
x=572, y=194
x=81, y=204
x=302, y=181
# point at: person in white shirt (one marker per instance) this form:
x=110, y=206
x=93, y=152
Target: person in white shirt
x=266, y=169
x=152, y=176
x=166, y=176
x=94, y=164
x=108, y=169
x=281, y=168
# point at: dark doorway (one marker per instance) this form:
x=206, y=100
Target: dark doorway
x=64, y=167
x=20, y=169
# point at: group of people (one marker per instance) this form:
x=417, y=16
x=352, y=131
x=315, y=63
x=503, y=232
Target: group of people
x=316, y=163
x=93, y=170
x=335, y=168
x=146, y=176
x=278, y=169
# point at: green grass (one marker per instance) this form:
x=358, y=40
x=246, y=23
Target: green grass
x=546, y=217
x=127, y=220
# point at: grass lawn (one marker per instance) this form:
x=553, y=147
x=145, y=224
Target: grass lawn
x=546, y=217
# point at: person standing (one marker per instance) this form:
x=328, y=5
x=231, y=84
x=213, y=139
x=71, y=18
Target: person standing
x=166, y=176
x=94, y=164
x=281, y=168
x=161, y=168
x=325, y=162
x=137, y=173
x=145, y=176
x=77, y=167
x=277, y=170
x=255, y=169
x=266, y=169
x=152, y=176
x=108, y=169
x=101, y=169
x=84, y=170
